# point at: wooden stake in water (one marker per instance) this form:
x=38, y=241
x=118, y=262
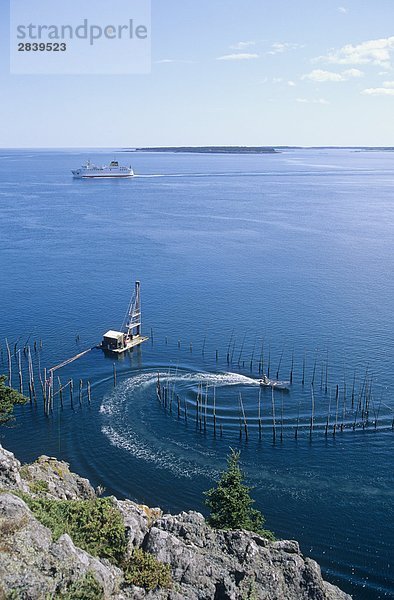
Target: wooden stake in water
x=259, y=412
x=326, y=385
x=88, y=391
x=80, y=391
x=158, y=388
x=244, y=417
x=60, y=390
x=337, y=409
x=303, y=369
x=354, y=384
x=232, y=351
x=321, y=375
x=114, y=369
x=229, y=346
x=273, y=416
x=314, y=371
x=197, y=405
x=280, y=362
x=31, y=377
x=252, y=356
x=71, y=386
x=185, y=407
x=214, y=411
x=44, y=391
x=328, y=416
x=344, y=406
x=206, y=408
x=312, y=410
x=9, y=364
x=20, y=373
x=269, y=361
x=292, y=367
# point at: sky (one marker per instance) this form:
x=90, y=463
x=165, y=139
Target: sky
x=224, y=72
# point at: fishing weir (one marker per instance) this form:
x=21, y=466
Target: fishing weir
x=113, y=342
x=307, y=403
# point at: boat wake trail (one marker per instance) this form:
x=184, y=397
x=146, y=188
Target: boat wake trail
x=127, y=425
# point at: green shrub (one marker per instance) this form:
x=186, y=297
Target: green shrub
x=8, y=399
x=94, y=525
x=231, y=504
x=24, y=472
x=38, y=487
x=144, y=570
x=85, y=588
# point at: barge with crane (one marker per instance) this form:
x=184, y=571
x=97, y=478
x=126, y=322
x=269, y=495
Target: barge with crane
x=129, y=335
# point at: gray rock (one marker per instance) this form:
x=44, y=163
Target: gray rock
x=10, y=478
x=136, y=522
x=58, y=480
x=233, y=565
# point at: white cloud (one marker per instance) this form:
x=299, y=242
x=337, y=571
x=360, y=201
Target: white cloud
x=277, y=79
x=291, y=83
x=238, y=56
x=322, y=76
x=388, y=84
x=343, y=10
x=350, y=73
x=377, y=52
x=243, y=45
x=279, y=47
x=378, y=92
x=312, y=101
x=164, y=61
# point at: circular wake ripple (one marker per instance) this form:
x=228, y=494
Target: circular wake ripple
x=159, y=448
x=159, y=437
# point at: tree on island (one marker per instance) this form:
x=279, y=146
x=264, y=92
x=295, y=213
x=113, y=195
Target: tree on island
x=230, y=502
x=8, y=399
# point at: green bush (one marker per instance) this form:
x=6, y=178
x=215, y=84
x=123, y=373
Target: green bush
x=144, y=570
x=38, y=487
x=8, y=399
x=230, y=502
x=85, y=588
x=94, y=525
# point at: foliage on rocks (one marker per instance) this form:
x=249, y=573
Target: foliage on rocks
x=38, y=487
x=8, y=399
x=144, y=570
x=84, y=588
x=94, y=525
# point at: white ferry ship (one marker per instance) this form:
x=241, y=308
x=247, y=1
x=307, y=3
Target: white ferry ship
x=90, y=171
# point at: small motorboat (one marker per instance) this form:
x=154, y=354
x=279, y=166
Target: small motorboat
x=274, y=383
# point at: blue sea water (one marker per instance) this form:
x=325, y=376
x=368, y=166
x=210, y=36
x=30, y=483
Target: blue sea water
x=280, y=258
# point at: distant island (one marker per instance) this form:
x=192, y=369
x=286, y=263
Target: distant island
x=208, y=149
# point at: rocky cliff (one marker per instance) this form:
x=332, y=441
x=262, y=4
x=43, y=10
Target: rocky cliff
x=205, y=564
